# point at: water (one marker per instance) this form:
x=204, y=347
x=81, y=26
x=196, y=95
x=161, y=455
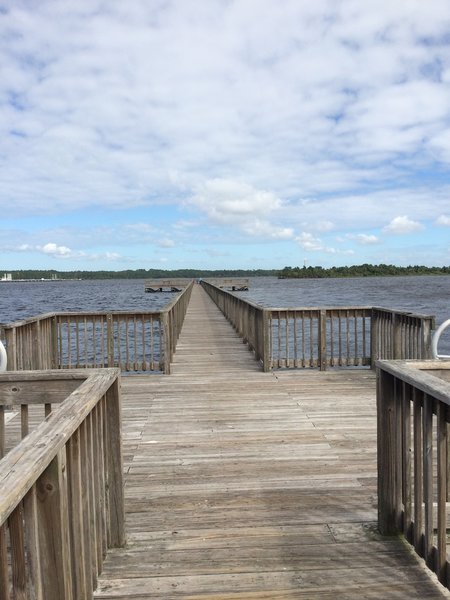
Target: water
x=427, y=295
x=22, y=300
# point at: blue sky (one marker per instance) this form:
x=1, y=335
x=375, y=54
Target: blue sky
x=224, y=133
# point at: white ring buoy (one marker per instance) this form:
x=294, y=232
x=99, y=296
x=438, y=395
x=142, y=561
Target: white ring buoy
x=435, y=340
x=3, y=358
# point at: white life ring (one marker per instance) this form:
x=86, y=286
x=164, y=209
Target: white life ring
x=435, y=340
x=3, y=358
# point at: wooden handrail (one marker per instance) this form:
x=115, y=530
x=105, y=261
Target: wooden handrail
x=130, y=340
x=283, y=337
x=61, y=495
x=413, y=456
x=327, y=336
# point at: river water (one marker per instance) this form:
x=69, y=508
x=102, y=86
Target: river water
x=427, y=295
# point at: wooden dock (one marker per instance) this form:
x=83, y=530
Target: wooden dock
x=248, y=485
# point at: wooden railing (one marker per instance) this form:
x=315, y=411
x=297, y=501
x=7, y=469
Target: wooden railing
x=413, y=405
x=250, y=320
x=61, y=486
x=325, y=337
x=400, y=335
x=132, y=341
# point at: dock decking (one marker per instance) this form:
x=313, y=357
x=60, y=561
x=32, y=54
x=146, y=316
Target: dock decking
x=249, y=485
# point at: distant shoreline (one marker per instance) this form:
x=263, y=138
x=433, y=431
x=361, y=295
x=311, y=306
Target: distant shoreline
x=317, y=272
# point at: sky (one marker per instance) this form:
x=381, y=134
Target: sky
x=224, y=133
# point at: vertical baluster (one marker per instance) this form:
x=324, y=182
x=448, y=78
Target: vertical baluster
x=2, y=433
x=364, y=342
x=347, y=332
x=103, y=482
x=418, y=472
x=98, y=484
x=81, y=578
x=18, y=559
x=303, y=340
x=279, y=338
x=92, y=498
x=94, y=341
x=104, y=340
x=143, y=342
x=287, y=338
x=88, y=534
x=355, y=325
x=340, y=338
x=24, y=427
x=77, y=342
x=427, y=425
x=4, y=573
x=127, y=346
x=84, y=362
x=54, y=546
x=311, y=339
x=106, y=472
x=136, y=367
x=331, y=338
x=295, y=339
x=61, y=335
x=152, y=344
x=69, y=343
x=32, y=544
x=406, y=461
x=441, y=566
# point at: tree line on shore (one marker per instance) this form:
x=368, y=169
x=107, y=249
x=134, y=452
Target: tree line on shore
x=140, y=274
x=364, y=270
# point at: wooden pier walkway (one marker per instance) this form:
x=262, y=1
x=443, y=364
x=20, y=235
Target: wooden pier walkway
x=249, y=485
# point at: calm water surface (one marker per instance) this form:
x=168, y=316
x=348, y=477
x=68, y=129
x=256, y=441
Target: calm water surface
x=427, y=295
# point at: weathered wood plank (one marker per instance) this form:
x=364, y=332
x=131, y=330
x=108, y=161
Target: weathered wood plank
x=241, y=484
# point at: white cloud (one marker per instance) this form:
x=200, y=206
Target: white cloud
x=443, y=220
x=310, y=243
x=364, y=238
x=55, y=250
x=237, y=204
x=166, y=243
x=402, y=225
x=63, y=252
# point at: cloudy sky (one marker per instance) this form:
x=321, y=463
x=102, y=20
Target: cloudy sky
x=224, y=133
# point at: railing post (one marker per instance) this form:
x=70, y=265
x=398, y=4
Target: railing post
x=387, y=446
x=266, y=340
x=322, y=339
x=54, y=343
x=374, y=339
x=165, y=346
x=110, y=339
x=427, y=326
x=115, y=466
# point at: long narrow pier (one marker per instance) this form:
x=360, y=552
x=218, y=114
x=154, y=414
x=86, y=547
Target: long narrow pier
x=249, y=485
